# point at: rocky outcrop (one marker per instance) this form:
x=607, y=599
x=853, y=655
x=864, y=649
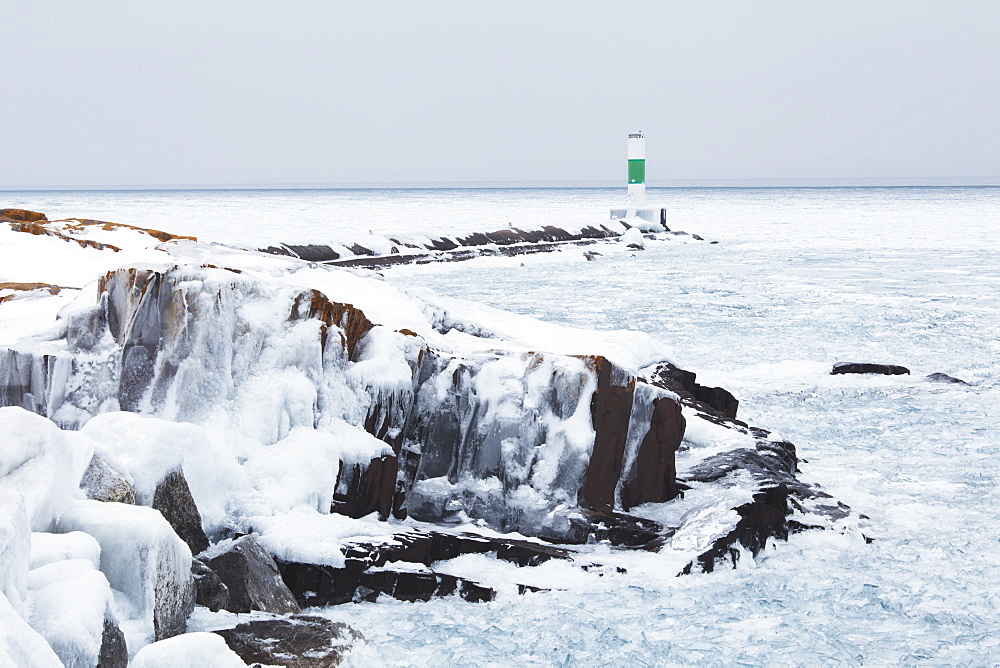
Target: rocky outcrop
x=299, y=641
x=653, y=478
x=101, y=482
x=714, y=400
x=114, y=652
x=869, y=367
x=365, y=488
x=21, y=216
x=251, y=578
x=174, y=501
x=509, y=242
x=210, y=591
x=367, y=572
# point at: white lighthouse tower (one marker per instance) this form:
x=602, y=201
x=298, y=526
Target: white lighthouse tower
x=638, y=213
x=636, y=170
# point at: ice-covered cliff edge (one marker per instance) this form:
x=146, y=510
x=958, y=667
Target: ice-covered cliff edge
x=340, y=420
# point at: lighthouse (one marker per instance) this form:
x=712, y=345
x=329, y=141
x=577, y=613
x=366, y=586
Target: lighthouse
x=637, y=212
x=636, y=169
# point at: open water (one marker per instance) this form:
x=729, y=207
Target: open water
x=800, y=279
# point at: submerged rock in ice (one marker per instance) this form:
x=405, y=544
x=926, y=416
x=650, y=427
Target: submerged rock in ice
x=36, y=461
x=144, y=559
x=190, y=650
x=869, y=367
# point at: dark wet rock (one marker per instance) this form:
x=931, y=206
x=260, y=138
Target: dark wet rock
x=714, y=400
x=367, y=488
x=367, y=572
x=252, y=579
x=103, y=483
x=591, y=255
x=210, y=591
x=653, y=478
x=623, y=530
x=868, y=367
x=356, y=581
x=174, y=501
x=762, y=518
x=718, y=398
x=611, y=409
x=174, y=601
x=309, y=253
x=299, y=641
x=939, y=377
x=358, y=249
x=21, y=215
x=114, y=652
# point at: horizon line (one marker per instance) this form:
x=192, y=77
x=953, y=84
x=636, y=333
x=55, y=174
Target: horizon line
x=967, y=181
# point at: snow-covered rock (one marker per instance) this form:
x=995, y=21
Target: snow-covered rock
x=191, y=650
x=71, y=604
x=50, y=547
x=36, y=461
x=144, y=559
x=21, y=645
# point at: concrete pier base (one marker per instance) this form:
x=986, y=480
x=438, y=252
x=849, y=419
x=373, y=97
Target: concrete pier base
x=654, y=216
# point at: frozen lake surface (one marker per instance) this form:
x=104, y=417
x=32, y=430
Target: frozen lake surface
x=800, y=279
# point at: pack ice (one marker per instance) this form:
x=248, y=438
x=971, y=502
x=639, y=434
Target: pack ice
x=192, y=425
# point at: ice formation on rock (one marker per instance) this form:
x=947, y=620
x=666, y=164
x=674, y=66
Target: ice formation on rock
x=229, y=393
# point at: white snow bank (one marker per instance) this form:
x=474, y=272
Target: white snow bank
x=190, y=650
x=300, y=469
x=69, y=601
x=50, y=547
x=631, y=350
x=36, y=460
x=139, y=554
x=21, y=645
x=306, y=536
x=704, y=439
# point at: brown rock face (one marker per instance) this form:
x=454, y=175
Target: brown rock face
x=22, y=215
x=611, y=410
x=252, y=579
x=300, y=641
x=354, y=323
x=654, y=474
x=370, y=488
x=174, y=501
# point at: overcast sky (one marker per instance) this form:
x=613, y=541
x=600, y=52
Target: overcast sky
x=322, y=92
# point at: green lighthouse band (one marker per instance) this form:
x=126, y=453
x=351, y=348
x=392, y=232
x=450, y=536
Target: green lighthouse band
x=636, y=171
